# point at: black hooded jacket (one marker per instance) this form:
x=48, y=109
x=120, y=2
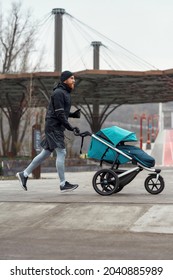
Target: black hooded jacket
x=59, y=109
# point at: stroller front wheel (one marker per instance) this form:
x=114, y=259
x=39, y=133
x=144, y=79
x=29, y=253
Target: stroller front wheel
x=105, y=182
x=154, y=185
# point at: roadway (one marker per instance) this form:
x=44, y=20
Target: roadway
x=44, y=223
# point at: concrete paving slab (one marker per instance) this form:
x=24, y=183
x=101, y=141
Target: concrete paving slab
x=156, y=219
x=87, y=217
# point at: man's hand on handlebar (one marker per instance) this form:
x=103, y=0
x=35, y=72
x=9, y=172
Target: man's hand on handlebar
x=76, y=130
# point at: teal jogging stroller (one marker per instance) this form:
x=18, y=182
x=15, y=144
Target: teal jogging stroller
x=109, y=145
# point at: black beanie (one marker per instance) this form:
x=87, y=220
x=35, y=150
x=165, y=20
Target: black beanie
x=65, y=75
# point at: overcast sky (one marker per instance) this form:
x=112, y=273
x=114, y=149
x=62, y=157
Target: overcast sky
x=144, y=27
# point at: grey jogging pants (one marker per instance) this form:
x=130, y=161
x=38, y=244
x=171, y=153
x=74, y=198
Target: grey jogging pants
x=60, y=162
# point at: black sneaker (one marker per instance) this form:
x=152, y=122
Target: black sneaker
x=68, y=187
x=22, y=179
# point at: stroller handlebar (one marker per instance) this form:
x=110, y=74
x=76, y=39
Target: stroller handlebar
x=82, y=134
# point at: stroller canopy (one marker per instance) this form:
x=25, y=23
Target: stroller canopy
x=116, y=135
x=113, y=136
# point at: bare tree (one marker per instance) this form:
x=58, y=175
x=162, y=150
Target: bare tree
x=96, y=114
x=17, y=42
x=17, y=37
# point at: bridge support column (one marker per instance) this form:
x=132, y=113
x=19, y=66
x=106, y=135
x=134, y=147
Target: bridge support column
x=58, y=39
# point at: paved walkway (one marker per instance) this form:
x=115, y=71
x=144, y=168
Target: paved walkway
x=44, y=223
x=162, y=149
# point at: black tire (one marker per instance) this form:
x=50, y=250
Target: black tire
x=119, y=189
x=154, y=185
x=105, y=182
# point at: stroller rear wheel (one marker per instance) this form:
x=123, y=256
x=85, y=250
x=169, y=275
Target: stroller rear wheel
x=153, y=184
x=105, y=182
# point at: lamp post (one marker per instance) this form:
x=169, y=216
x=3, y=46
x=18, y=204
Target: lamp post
x=141, y=118
x=150, y=125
